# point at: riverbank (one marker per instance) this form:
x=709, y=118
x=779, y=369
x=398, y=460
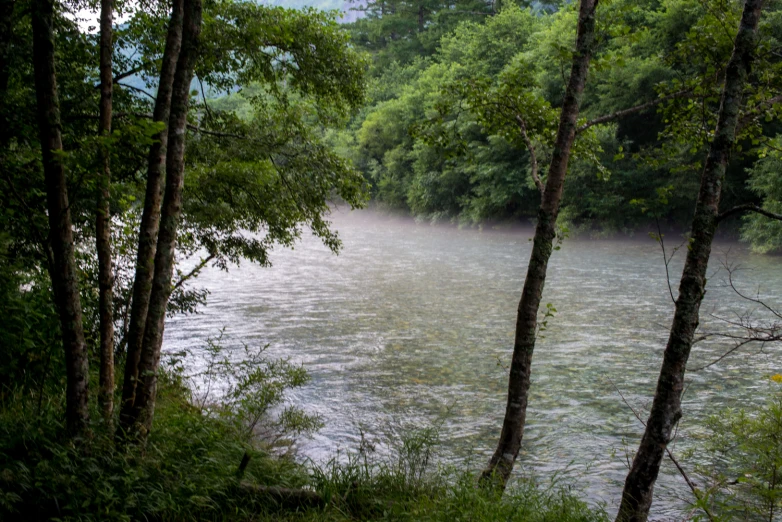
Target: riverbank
x=191, y=469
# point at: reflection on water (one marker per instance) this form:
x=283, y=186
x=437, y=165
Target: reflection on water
x=413, y=324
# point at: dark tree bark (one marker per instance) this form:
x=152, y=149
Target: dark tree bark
x=666, y=407
x=103, y=219
x=150, y=217
x=63, y=274
x=146, y=389
x=6, y=32
x=501, y=464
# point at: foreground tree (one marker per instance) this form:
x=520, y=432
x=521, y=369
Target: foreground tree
x=258, y=175
x=150, y=217
x=252, y=180
x=501, y=463
x=63, y=268
x=103, y=216
x=666, y=408
x=146, y=388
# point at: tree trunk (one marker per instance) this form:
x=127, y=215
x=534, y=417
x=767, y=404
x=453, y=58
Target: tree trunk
x=666, y=408
x=103, y=219
x=150, y=217
x=146, y=389
x=501, y=463
x=6, y=31
x=64, y=281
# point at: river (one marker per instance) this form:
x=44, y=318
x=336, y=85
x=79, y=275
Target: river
x=412, y=325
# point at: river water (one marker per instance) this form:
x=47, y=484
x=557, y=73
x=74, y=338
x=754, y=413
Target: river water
x=412, y=325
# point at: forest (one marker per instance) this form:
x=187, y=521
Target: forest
x=151, y=150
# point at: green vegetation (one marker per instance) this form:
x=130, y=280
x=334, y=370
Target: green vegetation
x=438, y=138
x=188, y=469
x=745, y=455
x=117, y=174
x=186, y=472
x=765, y=180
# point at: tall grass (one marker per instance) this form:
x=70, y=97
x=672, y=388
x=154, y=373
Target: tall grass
x=186, y=471
x=189, y=469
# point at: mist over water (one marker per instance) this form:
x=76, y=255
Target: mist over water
x=412, y=325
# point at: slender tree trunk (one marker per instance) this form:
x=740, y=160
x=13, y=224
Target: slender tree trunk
x=146, y=389
x=6, y=32
x=666, y=408
x=150, y=217
x=103, y=219
x=64, y=281
x=501, y=463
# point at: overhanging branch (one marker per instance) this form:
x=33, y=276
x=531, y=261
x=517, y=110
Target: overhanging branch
x=632, y=110
x=194, y=272
x=749, y=207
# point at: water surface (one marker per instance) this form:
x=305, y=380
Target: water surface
x=413, y=325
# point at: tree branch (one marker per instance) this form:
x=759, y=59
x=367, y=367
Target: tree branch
x=533, y=160
x=193, y=272
x=749, y=207
x=632, y=110
x=123, y=75
x=754, y=113
x=137, y=89
x=217, y=134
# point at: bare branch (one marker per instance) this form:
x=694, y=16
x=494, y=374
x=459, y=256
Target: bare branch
x=121, y=76
x=217, y=134
x=749, y=207
x=194, y=272
x=724, y=355
x=632, y=110
x=533, y=159
x=750, y=331
x=684, y=475
x=755, y=300
x=203, y=98
x=667, y=260
x=137, y=89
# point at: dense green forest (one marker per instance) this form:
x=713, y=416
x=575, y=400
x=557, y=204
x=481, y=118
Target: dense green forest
x=206, y=133
x=437, y=136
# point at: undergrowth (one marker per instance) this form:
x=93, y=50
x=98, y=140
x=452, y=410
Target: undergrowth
x=188, y=471
x=189, y=468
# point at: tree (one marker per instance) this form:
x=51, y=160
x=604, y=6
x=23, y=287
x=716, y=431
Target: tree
x=150, y=217
x=63, y=269
x=401, y=30
x=501, y=463
x=765, y=179
x=264, y=176
x=103, y=216
x=645, y=54
x=666, y=407
x=152, y=341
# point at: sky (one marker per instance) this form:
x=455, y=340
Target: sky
x=89, y=18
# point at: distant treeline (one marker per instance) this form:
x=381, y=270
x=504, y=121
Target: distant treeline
x=431, y=140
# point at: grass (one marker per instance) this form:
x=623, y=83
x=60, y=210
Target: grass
x=188, y=471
